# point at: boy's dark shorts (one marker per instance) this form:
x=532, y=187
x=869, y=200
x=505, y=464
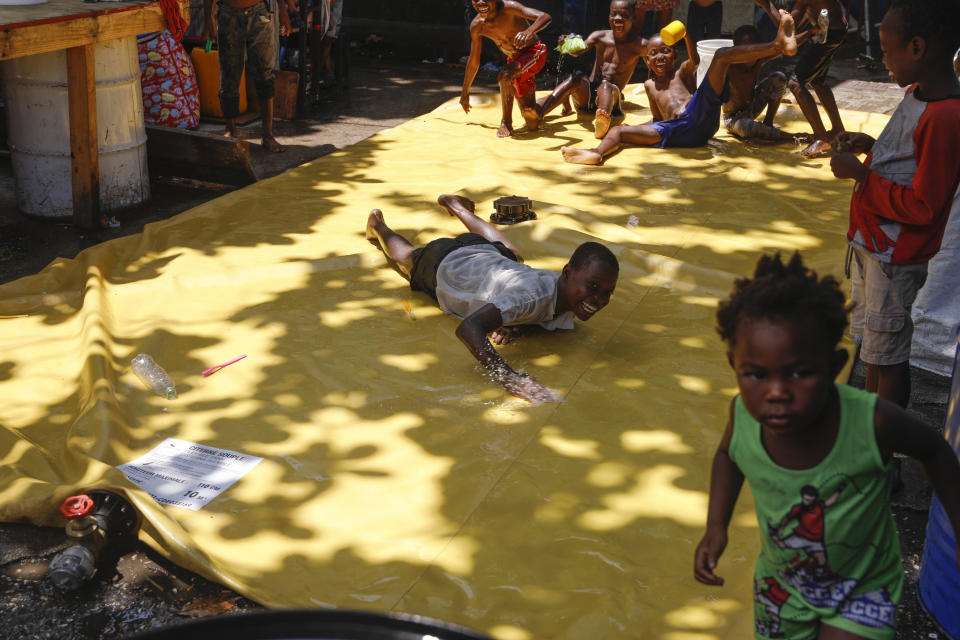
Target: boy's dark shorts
x=813, y=60
x=591, y=106
x=426, y=260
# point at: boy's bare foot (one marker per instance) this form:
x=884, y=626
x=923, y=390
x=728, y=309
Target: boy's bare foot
x=601, y=124
x=531, y=117
x=505, y=130
x=229, y=133
x=816, y=149
x=270, y=144
x=580, y=156
x=450, y=202
x=374, y=220
x=786, y=41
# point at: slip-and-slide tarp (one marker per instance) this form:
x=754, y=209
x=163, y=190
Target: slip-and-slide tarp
x=395, y=477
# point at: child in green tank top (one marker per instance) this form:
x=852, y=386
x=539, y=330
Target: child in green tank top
x=817, y=455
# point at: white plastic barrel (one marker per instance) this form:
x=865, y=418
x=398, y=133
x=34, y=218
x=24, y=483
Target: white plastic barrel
x=706, y=49
x=39, y=130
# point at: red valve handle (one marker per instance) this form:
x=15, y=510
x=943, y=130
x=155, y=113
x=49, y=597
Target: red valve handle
x=76, y=506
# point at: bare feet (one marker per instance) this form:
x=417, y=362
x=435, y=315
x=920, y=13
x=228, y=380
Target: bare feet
x=786, y=42
x=450, y=202
x=580, y=156
x=505, y=130
x=816, y=149
x=374, y=220
x=601, y=124
x=229, y=132
x=531, y=117
x=270, y=144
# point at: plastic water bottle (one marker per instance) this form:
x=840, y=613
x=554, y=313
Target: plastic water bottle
x=823, y=22
x=153, y=376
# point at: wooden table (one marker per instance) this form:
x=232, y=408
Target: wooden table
x=76, y=26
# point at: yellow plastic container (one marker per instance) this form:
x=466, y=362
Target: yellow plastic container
x=673, y=33
x=207, y=66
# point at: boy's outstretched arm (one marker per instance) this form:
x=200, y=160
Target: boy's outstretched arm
x=473, y=333
x=588, y=43
x=692, y=54
x=473, y=64
x=726, y=480
x=899, y=431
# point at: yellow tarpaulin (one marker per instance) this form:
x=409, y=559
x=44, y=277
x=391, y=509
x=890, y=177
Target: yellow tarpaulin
x=395, y=476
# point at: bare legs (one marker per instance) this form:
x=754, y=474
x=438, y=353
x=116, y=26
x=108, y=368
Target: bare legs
x=400, y=250
x=890, y=382
x=528, y=102
x=638, y=134
x=266, y=114
x=463, y=209
x=575, y=86
x=578, y=87
x=785, y=43
x=822, y=138
x=394, y=246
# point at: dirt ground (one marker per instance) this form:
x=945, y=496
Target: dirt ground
x=135, y=589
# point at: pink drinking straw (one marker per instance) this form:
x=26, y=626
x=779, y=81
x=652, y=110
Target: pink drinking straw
x=213, y=370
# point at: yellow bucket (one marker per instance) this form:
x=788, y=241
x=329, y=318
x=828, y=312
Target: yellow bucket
x=673, y=33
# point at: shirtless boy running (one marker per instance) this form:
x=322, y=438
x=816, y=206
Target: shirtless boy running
x=684, y=115
x=513, y=28
x=618, y=51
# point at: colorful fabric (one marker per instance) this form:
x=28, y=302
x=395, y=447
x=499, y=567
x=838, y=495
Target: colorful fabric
x=171, y=97
x=699, y=120
x=530, y=60
x=828, y=539
x=912, y=183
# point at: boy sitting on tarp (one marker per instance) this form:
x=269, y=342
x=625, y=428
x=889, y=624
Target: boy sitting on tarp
x=748, y=98
x=479, y=277
x=618, y=51
x=684, y=115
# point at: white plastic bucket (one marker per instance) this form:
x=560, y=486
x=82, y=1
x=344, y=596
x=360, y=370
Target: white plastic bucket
x=39, y=138
x=706, y=49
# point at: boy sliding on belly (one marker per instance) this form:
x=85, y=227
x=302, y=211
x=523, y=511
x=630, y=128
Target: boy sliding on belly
x=513, y=28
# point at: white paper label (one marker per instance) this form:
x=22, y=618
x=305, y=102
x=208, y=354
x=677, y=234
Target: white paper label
x=186, y=474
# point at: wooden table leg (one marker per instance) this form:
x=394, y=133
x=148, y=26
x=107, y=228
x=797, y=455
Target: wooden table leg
x=84, y=160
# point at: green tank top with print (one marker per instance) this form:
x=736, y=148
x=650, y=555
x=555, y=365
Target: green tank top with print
x=828, y=537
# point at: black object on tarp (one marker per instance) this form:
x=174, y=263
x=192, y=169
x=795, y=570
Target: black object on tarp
x=314, y=625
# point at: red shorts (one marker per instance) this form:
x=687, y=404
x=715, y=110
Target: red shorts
x=530, y=60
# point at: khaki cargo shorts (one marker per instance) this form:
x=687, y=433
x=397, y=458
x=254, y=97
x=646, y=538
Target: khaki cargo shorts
x=882, y=295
